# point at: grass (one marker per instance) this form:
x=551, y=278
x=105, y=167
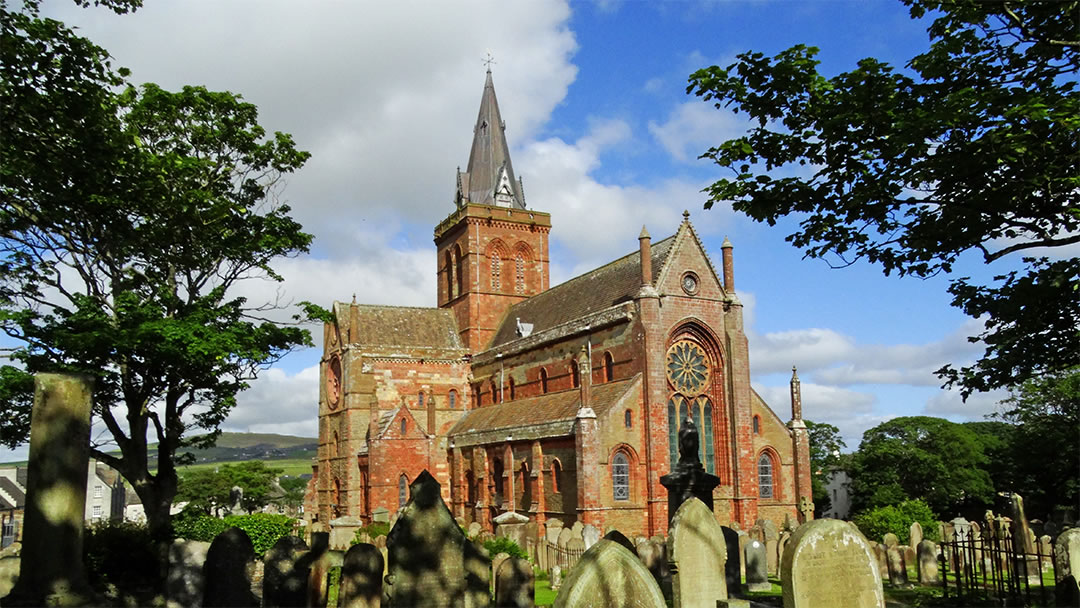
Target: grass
x=543, y=594
x=293, y=467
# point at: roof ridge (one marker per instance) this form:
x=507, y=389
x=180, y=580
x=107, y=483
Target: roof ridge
x=392, y=306
x=599, y=268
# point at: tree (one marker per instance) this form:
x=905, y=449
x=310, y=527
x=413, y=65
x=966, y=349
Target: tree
x=940, y=462
x=1045, y=446
x=204, y=489
x=211, y=490
x=825, y=457
x=976, y=151
x=128, y=217
x=255, y=479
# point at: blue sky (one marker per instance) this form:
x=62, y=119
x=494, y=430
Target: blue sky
x=384, y=95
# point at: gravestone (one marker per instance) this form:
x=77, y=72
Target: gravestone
x=51, y=562
x=512, y=526
x=609, y=575
x=697, y=554
x=879, y=556
x=620, y=538
x=361, y=577
x=827, y=564
x=909, y=555
x=284, y=574
x=556, y=577
x=894, y=557
x=381, y=515
x=343, y=530
x=890, y=540
x=428, y=553
x=1046, y=552
x=551, y=533
x=184, y=585
x=653, y=555
x=477, y=575
x=318, y=587
x=915, y=536
x=927, y=562
x=497, y=561
x=563, y=538
x=475, y=529
x=733, y=565
x=744, y=540
x=789, y=523
x=757, y=533
x=785, y=536
x=575, y=545
x=757, y=567
x=514, y=584
x=1067, y=556
x=577, y=528
x=590, y=534
x=532, y=536
x=229, y=567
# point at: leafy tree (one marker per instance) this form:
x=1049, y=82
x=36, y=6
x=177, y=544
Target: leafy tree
x=255, y=479
x=825, y=457
x=933, y=459
x=128, y=217
x=972, y=149
x=877, y=522
x=294, y=488
x=204, y=489
x=1045, y=445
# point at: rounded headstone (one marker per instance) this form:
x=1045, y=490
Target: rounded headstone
x=826, y=564
x=361, y=577
x=610, y=572
x=229, y=568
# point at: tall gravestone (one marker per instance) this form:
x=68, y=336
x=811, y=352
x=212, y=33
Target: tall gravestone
x=361, y=577
x=689, y=479
x=757, y=567
x=927, y=562
x=228, y=571
x=772, y=539
x=828, y=564
x=609, y=575
x=51, y=567
x=894, y=558
x=733, y=565
x=697, y=556
x=1067, y=556
x=514, y=584
x=915, y=535
x=285, y=574
x=427, y=554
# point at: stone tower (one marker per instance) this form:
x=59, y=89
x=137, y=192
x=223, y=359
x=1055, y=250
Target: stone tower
x=492, y=250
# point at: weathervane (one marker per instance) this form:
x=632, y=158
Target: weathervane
x=487, y=61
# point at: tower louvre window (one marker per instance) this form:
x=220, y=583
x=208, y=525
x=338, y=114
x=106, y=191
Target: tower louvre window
x=496, y=267
x=519, y=264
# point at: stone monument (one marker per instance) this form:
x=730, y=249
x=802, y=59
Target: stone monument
x=609, y=575
x=689, y=478
x=828, y=564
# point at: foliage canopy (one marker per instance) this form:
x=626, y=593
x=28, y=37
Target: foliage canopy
x=825, y=457
x=973, y=148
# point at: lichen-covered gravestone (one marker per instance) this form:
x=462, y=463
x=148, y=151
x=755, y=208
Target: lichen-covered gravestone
x=894, y=557
x=608, y=575
x=827, y=564
x=927, y=562
x=361, y=577
x=697, y=555
x=757, y=567
x=514, y=584
x=427, y=553
x=285, y=573
x=653, y=554
x=229, y=567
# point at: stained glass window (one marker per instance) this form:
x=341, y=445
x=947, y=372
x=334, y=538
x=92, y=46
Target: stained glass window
x=620, y=476
x=402, y=490
x=710, y=452
x=673, y=432
x=687, y=368
x=765, y=476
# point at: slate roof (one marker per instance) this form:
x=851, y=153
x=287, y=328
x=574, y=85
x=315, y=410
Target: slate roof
x=13, y=490
x=403, y=326
x=556, y=411
x=611, y=284
x=489, y=155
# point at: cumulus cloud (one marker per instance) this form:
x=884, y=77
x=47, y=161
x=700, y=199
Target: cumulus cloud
x=279, y=402
x=977, y=406
x=849, y=410
x=693, y=126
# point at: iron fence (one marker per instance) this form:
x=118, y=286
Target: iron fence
x=559, y=556
x=996, y=568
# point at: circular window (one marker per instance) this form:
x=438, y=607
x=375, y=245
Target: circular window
x=333, y=382
x=687, y=368
x=690, y=283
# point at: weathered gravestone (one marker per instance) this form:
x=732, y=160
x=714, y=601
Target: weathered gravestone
x=890, y=540
x=697, y=555
x=1067, y=556
x=757, y=567
x=733, y=565
x=497, y=561
x=577, y=528
x=620, y=538
x=653, y=555
x=609, y=575
x=827, y=564
x=322, y=563
x=1045, y=547
x=343, y=530
x=512, y=526
x=230, y=564
x=514, y=584
x=880, y=558
x=894, y=557
x=556, y=577
x=51, y=567
x=428, y=554
x=381, y=515
x=361, y=577
x=590, y=534
x=475, y=529
x=927, y=562
x=285, y=573
x=185, y=583
x=915, y=535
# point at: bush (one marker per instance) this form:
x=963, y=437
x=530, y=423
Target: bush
x=120, y=554
x=264, y=529
x=877, y=522
x=502, y=544
x=374, y=530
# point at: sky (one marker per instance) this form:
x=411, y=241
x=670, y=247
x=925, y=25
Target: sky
x=384, y=95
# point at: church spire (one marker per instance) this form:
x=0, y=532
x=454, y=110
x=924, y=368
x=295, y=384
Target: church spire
x=489, y=177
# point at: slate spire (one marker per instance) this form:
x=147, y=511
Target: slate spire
x=489, y=177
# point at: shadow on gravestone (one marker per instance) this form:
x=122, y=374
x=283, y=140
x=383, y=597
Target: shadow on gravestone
x=230, y=564
x=51, y=567
x=826, y=564
x=697, y=555
x=609, y=575
x=361, y=577
x=184, y=583
x=284, y=580
x=514, y=586
x=427, y=553
x=733, y=565
x=620, y=538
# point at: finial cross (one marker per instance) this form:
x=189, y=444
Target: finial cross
x=487, y=61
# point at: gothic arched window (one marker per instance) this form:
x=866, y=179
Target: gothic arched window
x=496, y=270
x=404, y=427
x=512, y=392
x=451, y=280
x=575, y=378
x=420, y=399
x=452, y=399
x=765, y=476
x=620, y=477
x=459, y=263
x=556, y=475
x=707, y=431
x=609, y=367
x=402, y=490
x=519, y=273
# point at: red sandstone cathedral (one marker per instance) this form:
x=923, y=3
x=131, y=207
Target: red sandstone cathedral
x=554, y=402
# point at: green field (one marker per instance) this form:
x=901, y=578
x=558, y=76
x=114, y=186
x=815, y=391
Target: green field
x=293, y=467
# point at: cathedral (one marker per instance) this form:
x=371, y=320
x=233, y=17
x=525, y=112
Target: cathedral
x=557, y=402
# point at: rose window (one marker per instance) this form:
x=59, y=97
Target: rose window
x=687, y=368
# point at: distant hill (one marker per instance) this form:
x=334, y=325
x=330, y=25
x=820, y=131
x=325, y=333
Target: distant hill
x=238, y=447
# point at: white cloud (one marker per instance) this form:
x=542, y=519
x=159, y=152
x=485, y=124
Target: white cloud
x=693, y=127
x=850, y=411
x=977, y=406
x=278, y=402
